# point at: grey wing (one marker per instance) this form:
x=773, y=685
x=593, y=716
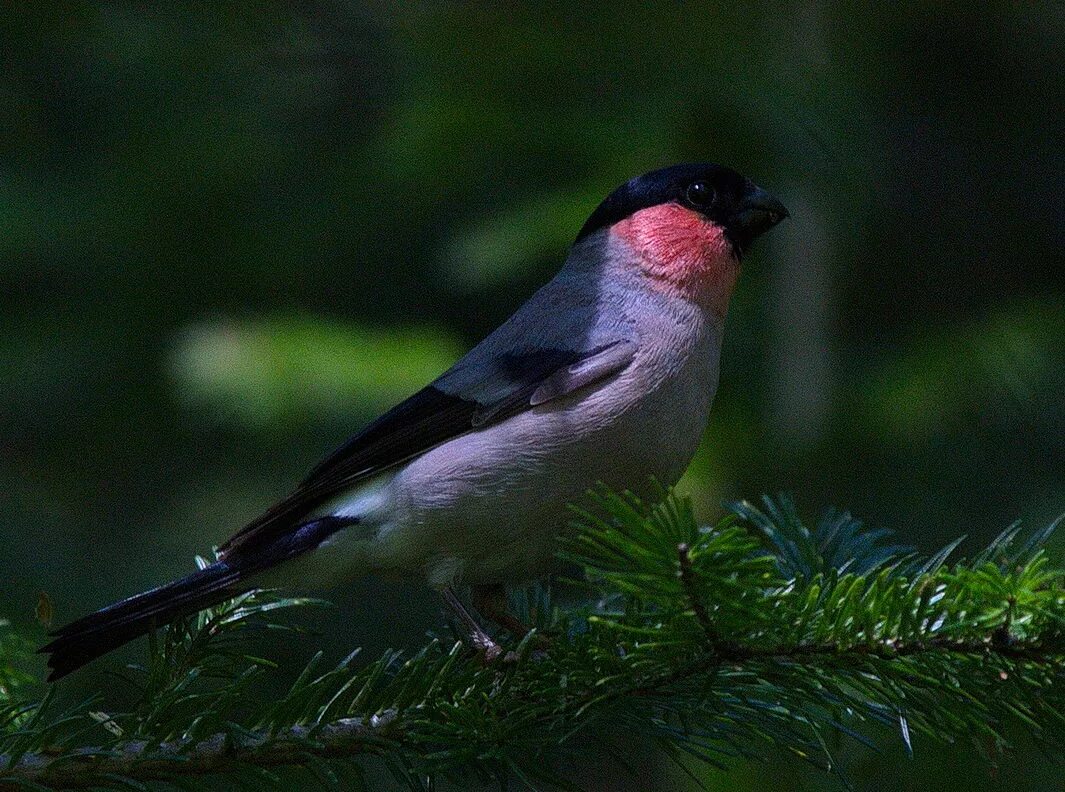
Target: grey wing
x=479, y=391
x=608, y=360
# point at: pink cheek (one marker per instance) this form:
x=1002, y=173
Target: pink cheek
x=683, y=252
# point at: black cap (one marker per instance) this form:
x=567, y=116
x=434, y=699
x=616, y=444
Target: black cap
x=742, y=209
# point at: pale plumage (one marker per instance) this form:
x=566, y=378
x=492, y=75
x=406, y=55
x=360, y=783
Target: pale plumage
x=606, y=375
x=638, y=416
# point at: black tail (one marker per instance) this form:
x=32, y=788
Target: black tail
x=108, y=628
x=98, y=633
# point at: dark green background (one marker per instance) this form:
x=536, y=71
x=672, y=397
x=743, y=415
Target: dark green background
x=231, y=234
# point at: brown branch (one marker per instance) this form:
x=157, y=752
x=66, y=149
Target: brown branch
x=735, y=654
x=349, y=737
x=695, y=602
x=91, y=767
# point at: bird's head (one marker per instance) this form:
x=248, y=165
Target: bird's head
x=686, y=228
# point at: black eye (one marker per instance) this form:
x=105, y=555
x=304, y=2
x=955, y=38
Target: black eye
x=700, y=194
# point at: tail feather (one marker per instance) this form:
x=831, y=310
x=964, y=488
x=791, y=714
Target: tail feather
x=98, y=633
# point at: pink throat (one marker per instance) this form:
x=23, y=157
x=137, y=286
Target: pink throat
x=684, y=254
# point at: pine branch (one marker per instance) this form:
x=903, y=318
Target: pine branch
x=135, y=762
x=758, y=632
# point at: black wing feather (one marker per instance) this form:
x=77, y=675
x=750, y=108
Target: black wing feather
x=427, y=419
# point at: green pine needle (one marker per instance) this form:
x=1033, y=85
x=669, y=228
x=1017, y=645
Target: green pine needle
x=756, y=634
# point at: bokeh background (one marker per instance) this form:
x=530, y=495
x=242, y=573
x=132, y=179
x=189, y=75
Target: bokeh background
x=232, y=233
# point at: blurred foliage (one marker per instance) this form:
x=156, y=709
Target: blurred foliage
x=1014, y=374
x=271, y=372
x=14, y=651
x=229, y=235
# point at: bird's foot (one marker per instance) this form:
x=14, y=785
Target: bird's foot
x=481, y=642
x=491, y=602
x=487, y=601
x=488, y=651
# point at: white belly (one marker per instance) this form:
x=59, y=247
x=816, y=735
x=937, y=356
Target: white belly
x=487, y=507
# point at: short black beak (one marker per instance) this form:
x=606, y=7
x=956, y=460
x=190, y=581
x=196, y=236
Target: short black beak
x=756, y=213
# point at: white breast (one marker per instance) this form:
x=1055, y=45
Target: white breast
x=487, y=507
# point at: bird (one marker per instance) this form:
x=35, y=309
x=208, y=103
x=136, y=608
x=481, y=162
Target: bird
x=604, y=376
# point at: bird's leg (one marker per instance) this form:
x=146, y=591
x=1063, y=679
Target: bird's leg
x=491, y=602
x=480, y=640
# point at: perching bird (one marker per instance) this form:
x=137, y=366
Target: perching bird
x=606, y=374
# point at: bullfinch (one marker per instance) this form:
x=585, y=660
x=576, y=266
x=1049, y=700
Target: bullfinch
x=605, y=375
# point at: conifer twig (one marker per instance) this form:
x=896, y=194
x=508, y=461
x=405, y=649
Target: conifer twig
x=715, y=640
